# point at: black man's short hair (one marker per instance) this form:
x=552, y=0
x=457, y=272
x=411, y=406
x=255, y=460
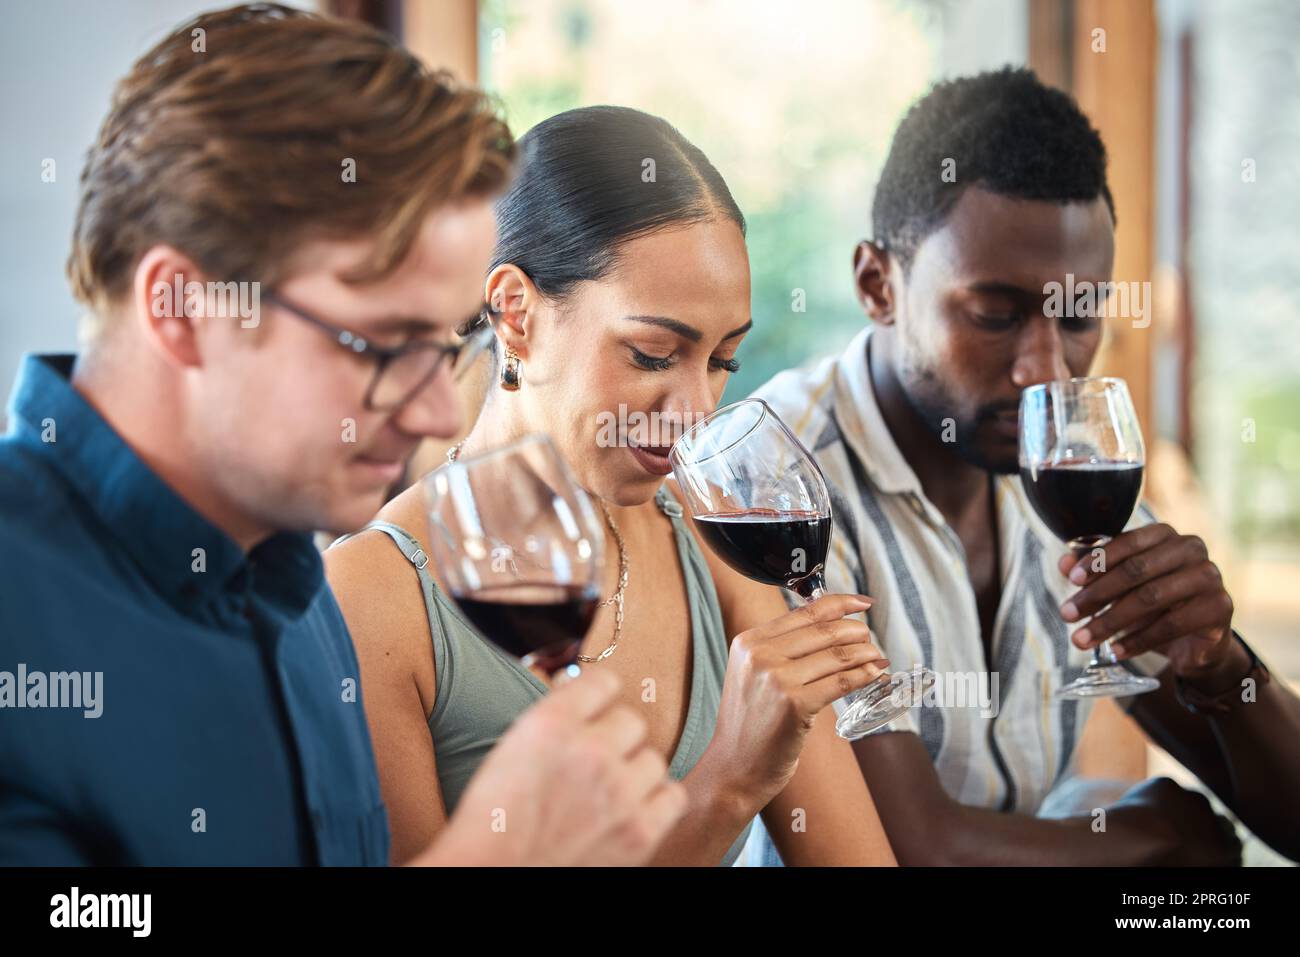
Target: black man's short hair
x=1004, y=131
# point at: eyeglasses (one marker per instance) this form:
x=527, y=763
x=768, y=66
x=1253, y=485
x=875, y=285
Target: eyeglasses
x=403, y=372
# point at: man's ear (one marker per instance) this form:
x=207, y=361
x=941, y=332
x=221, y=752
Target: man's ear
x=511, y=295
x=167, y=305
x=872, y=271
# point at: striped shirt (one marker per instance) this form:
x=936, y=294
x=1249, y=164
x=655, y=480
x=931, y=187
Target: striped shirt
x=997, y=736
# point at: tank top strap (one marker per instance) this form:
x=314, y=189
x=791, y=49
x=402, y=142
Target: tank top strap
x=414, y=553
x=406, y=543
x=669, y=505
x=699, y=580
x=708, y=634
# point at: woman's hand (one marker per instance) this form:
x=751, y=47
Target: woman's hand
x=780, y=675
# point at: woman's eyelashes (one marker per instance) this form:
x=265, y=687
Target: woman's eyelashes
x=649, y=362
x=662, y=363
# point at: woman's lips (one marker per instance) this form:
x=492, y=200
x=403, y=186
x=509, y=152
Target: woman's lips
x=654, y=459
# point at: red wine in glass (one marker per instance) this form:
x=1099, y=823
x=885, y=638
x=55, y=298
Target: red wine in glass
x=773, y=547
x=543, y=624
x=1081, y=501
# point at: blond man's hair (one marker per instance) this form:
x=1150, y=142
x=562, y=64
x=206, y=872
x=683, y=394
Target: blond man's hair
x=251, y=130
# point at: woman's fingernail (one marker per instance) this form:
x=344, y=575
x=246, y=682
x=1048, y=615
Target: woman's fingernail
x=1079, y=575
x=1082, y=637
x=1069, y=612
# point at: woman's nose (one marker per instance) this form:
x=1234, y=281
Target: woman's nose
x=693, y=403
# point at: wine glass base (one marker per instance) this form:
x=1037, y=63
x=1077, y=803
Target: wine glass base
x=878, y=704
x=1109, y=681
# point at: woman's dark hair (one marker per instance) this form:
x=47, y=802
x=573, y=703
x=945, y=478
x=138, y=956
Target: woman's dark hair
x=584, y=187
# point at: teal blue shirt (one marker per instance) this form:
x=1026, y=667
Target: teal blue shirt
x=230, y=727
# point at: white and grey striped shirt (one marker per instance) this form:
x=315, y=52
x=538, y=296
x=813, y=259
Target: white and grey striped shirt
x=892, y=543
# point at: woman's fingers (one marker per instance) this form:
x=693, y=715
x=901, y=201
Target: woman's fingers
x=830, y=660
x=817, y=695
x=817, y=637
x=826, y=609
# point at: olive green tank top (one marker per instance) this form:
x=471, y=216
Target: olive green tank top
x=481, y=690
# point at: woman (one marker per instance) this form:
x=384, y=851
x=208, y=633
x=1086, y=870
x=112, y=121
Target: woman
x=620, y=278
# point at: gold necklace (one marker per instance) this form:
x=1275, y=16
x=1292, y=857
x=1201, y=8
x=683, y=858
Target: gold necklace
x=615, y=599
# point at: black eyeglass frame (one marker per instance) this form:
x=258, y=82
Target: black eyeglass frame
x=462, y=354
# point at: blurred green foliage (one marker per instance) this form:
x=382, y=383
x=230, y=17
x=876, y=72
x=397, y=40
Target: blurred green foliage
x=774, y=102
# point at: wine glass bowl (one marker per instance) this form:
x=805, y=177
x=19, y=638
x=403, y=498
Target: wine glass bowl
x=761, y=503
x=758, y=498
x=520, y=549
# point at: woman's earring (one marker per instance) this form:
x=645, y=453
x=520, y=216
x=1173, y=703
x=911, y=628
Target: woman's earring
x=510, y=372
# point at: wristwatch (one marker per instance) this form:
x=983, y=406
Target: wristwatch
x=1209, y=705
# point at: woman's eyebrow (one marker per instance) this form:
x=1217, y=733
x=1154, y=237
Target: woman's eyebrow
x=739, y=332
x=684, y=330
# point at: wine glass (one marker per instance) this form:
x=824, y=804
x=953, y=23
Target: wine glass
x=761, y=503
x=519, y=547
x=1081, y=462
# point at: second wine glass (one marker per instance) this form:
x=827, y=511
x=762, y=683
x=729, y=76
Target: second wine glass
x=761, y=503
x=519, y=546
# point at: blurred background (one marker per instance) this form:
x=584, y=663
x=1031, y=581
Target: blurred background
x=795, y=103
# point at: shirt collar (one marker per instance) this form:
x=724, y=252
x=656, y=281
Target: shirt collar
x=862, y=424
x=143, y=515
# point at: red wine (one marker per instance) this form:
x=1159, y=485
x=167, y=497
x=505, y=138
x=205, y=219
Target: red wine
x=1084, y=501
x=543, y=623
x=762, y=543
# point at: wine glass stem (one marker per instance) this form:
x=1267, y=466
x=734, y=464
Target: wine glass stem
x=1097, y=653
x=1080, y=547
x=812, y=587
